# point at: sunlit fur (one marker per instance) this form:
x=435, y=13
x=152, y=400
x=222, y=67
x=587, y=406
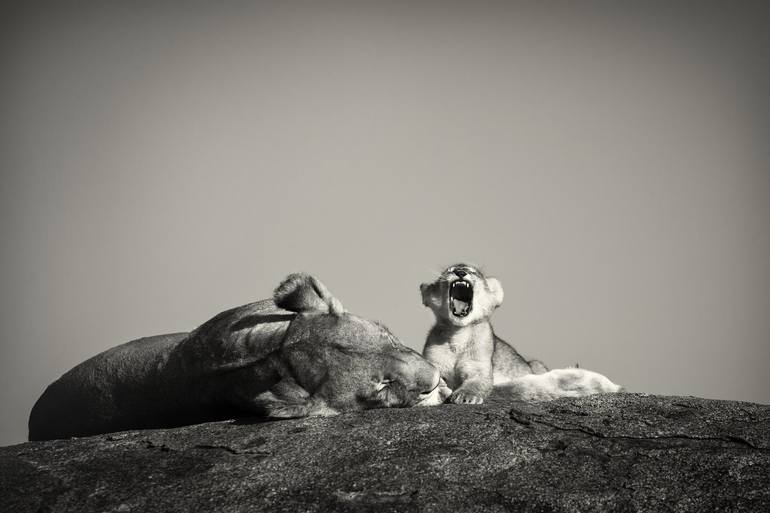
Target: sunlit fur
x=557, y=383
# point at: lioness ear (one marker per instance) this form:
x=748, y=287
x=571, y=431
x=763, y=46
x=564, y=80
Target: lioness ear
x=302, y=292
x=496, y=290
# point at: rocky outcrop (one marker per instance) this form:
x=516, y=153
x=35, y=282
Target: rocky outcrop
x=624, y=452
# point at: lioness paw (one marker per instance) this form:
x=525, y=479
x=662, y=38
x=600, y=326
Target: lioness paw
x=285, y=411
x=437, y=396
x=444, y=392
x=308, y=409
x=465, y=397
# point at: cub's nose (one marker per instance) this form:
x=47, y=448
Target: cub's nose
x=460, y=273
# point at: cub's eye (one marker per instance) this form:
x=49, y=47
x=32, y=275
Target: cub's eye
x=384, y=384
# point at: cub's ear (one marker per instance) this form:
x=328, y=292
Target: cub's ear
x=426, y=289
x=301, y=292
x=496, y=290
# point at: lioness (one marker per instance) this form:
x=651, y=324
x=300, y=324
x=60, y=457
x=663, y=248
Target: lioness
x=472, y=359
x=298, y=354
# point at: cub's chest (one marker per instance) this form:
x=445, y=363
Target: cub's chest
x=448, y=351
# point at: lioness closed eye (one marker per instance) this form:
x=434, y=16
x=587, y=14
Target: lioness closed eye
x=473, y=360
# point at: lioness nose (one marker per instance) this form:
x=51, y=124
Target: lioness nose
x=460, y=273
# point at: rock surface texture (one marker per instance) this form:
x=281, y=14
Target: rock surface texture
x=624, y=452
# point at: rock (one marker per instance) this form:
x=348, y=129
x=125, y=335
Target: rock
x=625, y=452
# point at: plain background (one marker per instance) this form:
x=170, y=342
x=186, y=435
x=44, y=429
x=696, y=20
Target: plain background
x=609, y=163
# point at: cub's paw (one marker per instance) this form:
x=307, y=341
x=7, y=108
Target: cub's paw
x=465, y=397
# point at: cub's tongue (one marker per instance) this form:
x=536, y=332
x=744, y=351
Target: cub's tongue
x=461, y=298
x=459, y=307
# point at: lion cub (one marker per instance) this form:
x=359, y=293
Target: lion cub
x=462, y=343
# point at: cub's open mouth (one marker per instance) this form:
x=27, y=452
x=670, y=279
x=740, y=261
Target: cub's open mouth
x=461, y=298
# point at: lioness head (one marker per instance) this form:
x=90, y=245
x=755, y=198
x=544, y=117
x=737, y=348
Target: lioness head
x=353, y=363
x=462, y=295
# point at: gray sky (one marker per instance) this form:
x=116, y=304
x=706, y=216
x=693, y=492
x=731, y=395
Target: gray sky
x=610, y=165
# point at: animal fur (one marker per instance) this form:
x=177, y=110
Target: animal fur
x=295, y=355
x=472, y=359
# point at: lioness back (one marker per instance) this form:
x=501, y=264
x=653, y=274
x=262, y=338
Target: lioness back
x=97, y=394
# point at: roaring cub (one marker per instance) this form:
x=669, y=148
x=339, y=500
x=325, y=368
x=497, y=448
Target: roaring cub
x=473, y=360
x=298, y=354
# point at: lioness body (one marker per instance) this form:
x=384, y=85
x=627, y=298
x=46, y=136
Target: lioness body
x=164, y=380
x=299, y=354
x=472, y=360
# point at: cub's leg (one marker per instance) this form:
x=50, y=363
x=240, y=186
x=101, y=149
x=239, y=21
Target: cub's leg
x=277, y=408
x=475, y=378
x=560, y=383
